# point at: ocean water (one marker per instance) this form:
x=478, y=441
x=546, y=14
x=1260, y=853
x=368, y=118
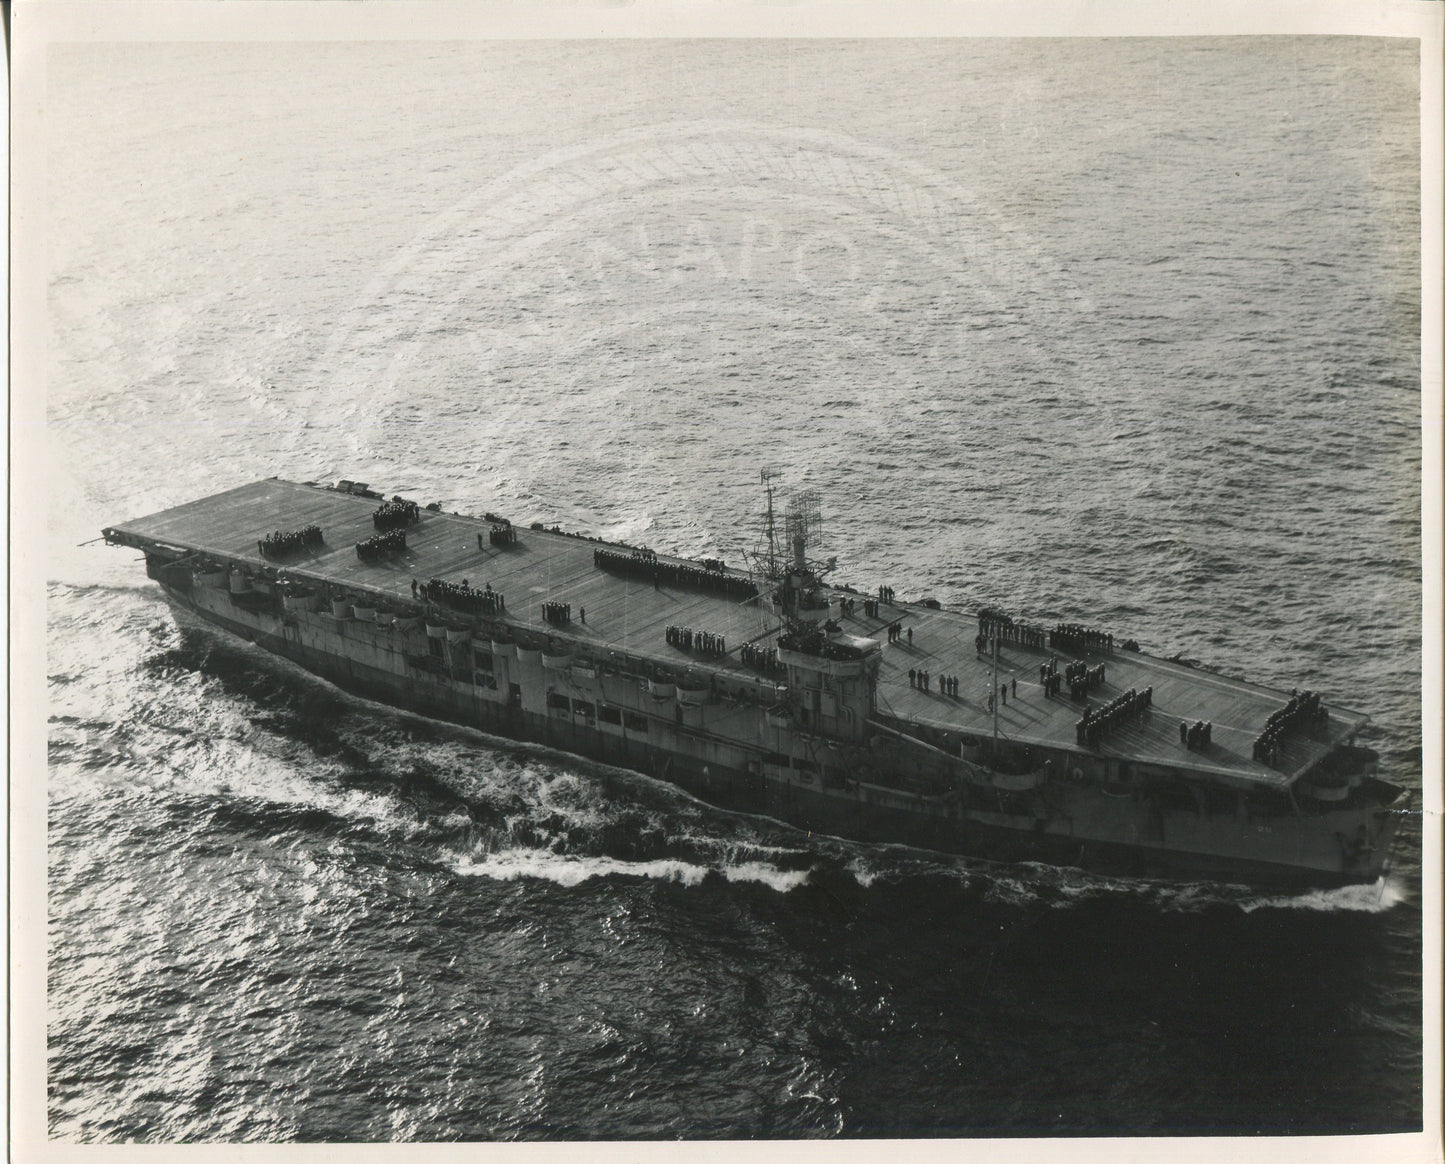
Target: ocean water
x=1121, y=331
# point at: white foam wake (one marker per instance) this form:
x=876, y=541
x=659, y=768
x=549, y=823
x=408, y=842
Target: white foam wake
x=569, y=871
x=1376, y=897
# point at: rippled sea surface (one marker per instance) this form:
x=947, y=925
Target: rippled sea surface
x=1118, y=331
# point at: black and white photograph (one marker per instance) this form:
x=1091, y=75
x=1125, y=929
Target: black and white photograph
x=606, y=575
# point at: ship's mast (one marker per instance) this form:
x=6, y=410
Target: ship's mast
x=770, y=522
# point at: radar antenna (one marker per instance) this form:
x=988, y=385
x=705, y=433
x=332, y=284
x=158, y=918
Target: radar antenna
x=803, y=524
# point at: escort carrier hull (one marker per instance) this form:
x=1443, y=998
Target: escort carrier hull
x=771, y=692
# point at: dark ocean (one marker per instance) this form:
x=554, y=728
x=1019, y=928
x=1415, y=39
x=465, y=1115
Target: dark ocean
x=1121, y=331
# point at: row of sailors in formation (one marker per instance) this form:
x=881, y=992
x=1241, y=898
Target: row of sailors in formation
x=644, y=564
x=885, y=594
x=1082, y=679
x=461, y=596
x=1073, y=637
x=923, y=681
x=1266, y=750
x=993, y=624
x=1303, y=707
x=560, y=613
x=502, y=534
x=1197, y=735
x=1098, y=721
x=701, y=642
x=284, y=542
x=764, y=660
x=872, y=606
x=381, y=545
x=396, y=514
x=990, y=617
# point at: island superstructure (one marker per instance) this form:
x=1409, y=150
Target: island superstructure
x=767, y=689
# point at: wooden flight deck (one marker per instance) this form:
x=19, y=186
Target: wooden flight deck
x=631, y=616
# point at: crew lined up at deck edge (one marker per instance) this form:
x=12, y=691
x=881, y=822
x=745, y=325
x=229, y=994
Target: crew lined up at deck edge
x=996, y=625
x=644, y=564
x=460, y=596
x=1304, y=709
x=704, y=643
x=1070, y=636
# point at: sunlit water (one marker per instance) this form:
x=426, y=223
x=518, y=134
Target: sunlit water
x=1124, y=332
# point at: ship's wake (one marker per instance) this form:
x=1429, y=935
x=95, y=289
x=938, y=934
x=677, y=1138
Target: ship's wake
x=570, y=871
x=1379, y=896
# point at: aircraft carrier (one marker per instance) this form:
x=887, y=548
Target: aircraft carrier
x=769, y=690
